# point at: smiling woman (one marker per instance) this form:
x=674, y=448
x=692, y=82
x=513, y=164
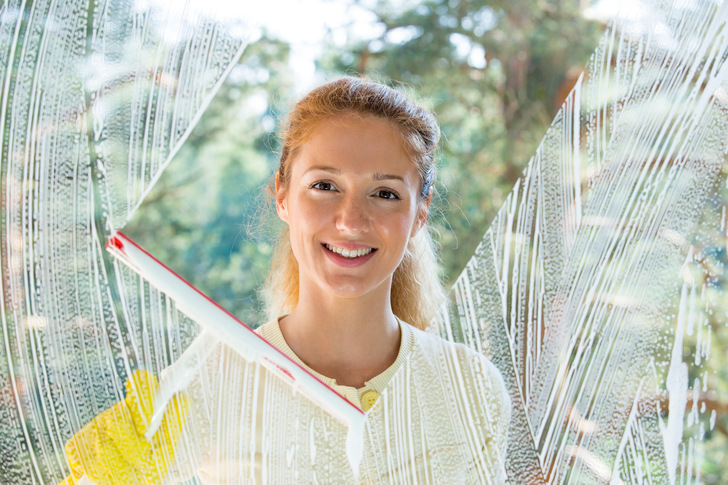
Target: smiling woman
x=349, y=223
x=353, y=287
x=356, y=262
x=374, y=130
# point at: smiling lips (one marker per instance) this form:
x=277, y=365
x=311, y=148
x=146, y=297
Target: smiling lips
x=348, y=253
x=348, y=258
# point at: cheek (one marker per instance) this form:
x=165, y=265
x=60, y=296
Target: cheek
x=397, y=226
x=304, y=221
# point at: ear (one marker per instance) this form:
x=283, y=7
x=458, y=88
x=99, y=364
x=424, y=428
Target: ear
x=281, y=202
x=422, y=212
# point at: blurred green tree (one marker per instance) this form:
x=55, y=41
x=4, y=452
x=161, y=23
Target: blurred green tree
x=495, y=73
x=205, y=217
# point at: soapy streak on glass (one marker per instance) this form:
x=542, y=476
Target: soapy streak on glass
x=94, y=104
x=571, y=293
x=584, y=277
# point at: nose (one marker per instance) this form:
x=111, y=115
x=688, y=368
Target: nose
x=353, y=216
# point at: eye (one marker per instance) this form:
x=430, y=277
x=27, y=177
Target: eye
x=387, y=194
x=321, y=185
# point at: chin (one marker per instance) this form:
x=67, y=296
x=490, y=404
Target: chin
x=350, y=289
x=347, y=291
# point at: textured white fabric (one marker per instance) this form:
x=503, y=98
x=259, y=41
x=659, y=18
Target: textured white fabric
x=442, y=417
x=271, y=331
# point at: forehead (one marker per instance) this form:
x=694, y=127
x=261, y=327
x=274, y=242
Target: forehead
x=354, y=142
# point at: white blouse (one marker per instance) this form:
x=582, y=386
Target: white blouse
x=440, y=414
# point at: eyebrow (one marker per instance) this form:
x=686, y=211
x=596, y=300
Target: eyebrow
x=322, y=168
x=388, y=176
x=375, y=176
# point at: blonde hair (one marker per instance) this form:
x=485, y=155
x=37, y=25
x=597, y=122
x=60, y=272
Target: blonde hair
x=417, y=294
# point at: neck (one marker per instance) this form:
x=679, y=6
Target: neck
x=348, y=339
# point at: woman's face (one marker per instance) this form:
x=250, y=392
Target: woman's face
x=351, y=205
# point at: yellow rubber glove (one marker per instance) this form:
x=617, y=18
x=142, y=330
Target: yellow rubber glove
x=112, y=449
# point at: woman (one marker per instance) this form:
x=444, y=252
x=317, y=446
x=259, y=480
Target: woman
x=353, y=285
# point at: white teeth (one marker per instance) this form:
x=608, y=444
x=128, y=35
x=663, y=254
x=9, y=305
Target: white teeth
x=349, y=253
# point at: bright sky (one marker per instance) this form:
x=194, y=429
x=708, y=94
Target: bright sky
x=308, y=25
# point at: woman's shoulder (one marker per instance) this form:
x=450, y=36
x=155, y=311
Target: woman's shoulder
x=434, y=343
x=268, y=329
x=464, y=362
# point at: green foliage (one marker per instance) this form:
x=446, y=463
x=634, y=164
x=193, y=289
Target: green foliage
x=203, y=218
x=493, y=112
x=495, y=74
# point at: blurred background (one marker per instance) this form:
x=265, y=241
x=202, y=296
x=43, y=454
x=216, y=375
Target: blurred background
x=97, y=98
x=494, y=73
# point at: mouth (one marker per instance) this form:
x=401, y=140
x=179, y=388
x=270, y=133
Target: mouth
x=349, y=253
